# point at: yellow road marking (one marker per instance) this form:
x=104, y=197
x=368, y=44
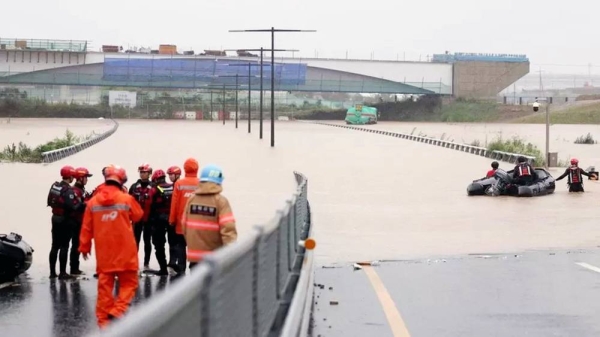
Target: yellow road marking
x=387, y=303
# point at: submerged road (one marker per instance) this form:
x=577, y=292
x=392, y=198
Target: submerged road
x=373, y=198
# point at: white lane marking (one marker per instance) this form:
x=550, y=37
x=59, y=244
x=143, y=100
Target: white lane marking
x=588, y=266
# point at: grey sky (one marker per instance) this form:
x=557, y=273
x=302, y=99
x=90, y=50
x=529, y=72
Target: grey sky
x=547, y=32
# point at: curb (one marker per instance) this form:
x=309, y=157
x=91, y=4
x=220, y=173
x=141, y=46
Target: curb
x=476, y=150
x=58, y=154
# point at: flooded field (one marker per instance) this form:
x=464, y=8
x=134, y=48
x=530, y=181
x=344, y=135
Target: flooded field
x=36, y=131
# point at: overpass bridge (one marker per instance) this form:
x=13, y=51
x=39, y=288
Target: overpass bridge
x=461, y=74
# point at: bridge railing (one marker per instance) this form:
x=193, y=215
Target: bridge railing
x=43, y=45
x=244, y=289
x=476, y=150
x=58, y=154
x=487, y=57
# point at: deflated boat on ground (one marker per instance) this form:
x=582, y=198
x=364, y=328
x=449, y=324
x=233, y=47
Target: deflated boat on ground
x=16, y=256
x=502, y=184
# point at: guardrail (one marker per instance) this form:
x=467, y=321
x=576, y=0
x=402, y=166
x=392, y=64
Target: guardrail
x=58, y=154
x=244, y=289
x=476, y=150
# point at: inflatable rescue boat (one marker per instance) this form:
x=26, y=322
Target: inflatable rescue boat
x=16, y=256
x=501, y=184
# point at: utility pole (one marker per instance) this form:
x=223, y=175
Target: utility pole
x=272, y=31
x=261, y=50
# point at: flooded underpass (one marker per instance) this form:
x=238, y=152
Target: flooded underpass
x=373, y=197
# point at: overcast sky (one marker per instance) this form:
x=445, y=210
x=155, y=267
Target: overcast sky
x=549, y=32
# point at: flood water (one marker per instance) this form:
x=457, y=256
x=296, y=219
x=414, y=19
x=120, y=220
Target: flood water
x=373, y=197
x=562, y=136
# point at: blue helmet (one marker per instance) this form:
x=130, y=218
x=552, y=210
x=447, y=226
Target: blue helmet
x=212, y=173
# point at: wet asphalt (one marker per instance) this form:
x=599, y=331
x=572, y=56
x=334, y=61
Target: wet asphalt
x=56, y=308
x=535, y=293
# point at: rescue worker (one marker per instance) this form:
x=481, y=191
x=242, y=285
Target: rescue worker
x=491, y=172
x=575, y=176
x=108, y=221
x=523, y=173
x=81, y=178
x=182, y=190
x=102, y=185
x=174, y=172
x=161, y=194
x=208, y=222
x=140, y=191
x=62, y=200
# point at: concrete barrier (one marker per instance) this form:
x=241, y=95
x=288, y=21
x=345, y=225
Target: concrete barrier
x=58, y=154
x=476, y=150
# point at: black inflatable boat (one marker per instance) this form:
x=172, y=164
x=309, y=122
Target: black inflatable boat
x=501, y=184
x=16, y=256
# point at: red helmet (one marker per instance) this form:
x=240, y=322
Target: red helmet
x=145, y=168
x=67, y=172
x=116, y=174
x=106, y=168
x=174, y=170
x=574, y=161
x=82, y=172
x=158, y=174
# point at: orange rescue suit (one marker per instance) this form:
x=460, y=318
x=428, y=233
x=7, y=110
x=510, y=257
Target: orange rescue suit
x=182, y=191
x=108, y=220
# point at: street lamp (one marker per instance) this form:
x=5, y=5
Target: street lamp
x=249, y=65
x=536, y=108
x=272, y=31
x=223, y=97
x=261, y=50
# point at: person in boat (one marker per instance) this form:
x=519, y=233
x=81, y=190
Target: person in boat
x=523, y=173
x=491, y=172
x=575, y=176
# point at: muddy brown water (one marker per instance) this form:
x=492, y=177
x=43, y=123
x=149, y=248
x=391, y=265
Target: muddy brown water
x=372, y=196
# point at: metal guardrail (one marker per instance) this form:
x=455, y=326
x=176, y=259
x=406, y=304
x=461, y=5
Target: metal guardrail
x=58, y=154
x=244, y=289
x=476, y=150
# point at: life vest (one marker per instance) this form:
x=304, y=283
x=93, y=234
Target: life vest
x=56, y=198
x=82, y=197
x=575, y=176
x=162, y=199
x=524, y=170
x=141, y=194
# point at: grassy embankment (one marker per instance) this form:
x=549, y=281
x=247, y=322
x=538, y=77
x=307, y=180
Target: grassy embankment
x=24, y=154
x=578, y=114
